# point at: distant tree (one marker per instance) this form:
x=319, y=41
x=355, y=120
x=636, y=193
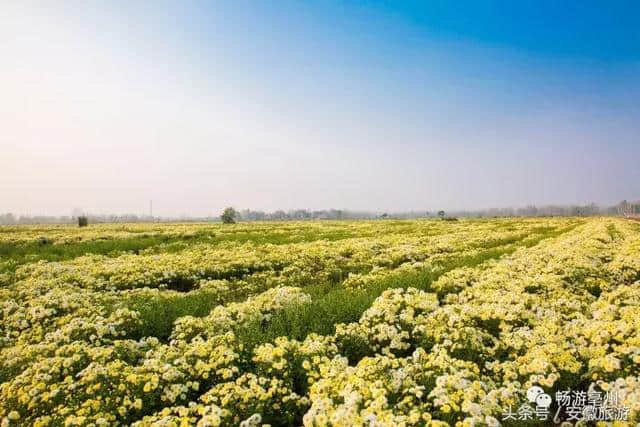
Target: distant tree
x=441, y=214
x=83, y=221
x=384, y=215
x=229, y=216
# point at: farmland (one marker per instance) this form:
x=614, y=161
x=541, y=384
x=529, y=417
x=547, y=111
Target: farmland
x=386, y=322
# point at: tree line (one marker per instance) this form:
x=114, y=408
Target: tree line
x=333, y=214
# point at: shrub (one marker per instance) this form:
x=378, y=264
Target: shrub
x=229, y=216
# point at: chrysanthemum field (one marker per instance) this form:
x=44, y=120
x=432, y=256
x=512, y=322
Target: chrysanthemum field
x=318, y=323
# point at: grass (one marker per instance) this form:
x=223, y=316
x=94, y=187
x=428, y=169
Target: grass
x=158, y=313
x=343, y=305
x=340, y=305
x=15, y=255
x=331, y=303
x=330, y=306
x=282, y=238
x=45, y=250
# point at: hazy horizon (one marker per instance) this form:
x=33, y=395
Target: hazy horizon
x=366, y=106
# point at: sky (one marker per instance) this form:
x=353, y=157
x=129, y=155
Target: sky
x=363, y=105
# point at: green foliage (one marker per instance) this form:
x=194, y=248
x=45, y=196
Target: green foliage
x=311, y=289
x=158, y=312
x=229, y=216
x=335, y=304
x=83, y=221
x=331, y=303
x=44, y=250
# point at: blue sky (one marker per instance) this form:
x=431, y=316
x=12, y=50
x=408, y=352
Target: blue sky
x=292, y=104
